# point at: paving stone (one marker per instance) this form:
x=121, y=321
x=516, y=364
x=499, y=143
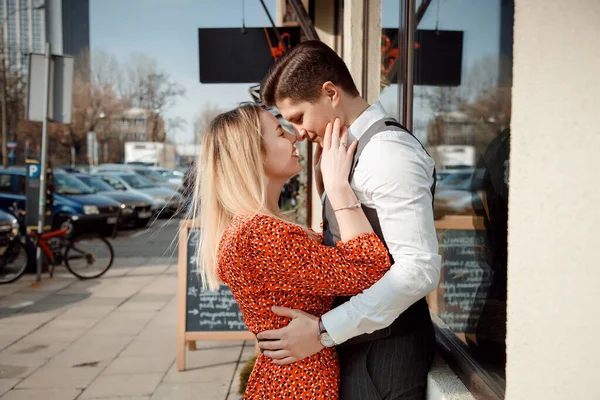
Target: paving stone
x=140, y=364
x=51, y=377
x=122, y=385
x=42, y=394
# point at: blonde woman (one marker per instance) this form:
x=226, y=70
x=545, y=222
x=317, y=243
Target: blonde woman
x=247, y=243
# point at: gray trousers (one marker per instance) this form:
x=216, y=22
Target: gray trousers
x=391, y=368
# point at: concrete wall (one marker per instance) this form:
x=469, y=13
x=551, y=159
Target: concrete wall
x=363, y=58
x=554, y=266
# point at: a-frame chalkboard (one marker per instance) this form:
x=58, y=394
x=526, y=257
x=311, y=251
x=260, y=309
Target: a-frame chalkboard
x=202, y=314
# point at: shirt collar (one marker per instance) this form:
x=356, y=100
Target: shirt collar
x=371, y=115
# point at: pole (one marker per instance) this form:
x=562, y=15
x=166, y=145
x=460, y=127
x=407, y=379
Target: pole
x=43, y=162
x=4, y=108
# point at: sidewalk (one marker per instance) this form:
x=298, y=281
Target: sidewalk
x=110, y=338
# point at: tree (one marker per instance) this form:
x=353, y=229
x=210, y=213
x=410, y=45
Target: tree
x=173, y=126
x=203, y=118
x=95, y=103
x=152, y=89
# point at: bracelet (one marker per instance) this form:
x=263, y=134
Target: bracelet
x=357, y=205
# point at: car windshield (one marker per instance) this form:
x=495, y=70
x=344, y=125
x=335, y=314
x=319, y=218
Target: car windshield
x=150, y=174
x=469, y=181
x=167, y=173
x=96, y=183
x=66, y=184
x=138, y=181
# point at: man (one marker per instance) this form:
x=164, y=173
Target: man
x=384, y=336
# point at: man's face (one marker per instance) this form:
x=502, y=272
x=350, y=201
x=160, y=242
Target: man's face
x=308, y=119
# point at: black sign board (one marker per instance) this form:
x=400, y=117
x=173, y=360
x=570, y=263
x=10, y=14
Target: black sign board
x=208, y=310
x=230, y=55
x=466, y=278
x=437, y=55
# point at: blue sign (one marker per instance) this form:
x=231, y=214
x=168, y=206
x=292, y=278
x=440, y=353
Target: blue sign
x=11, y=145
x=33, y=171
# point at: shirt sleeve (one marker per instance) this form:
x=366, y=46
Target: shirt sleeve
x=394, y=176
x=287, y=258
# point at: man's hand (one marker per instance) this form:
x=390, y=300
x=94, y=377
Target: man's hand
x=317, y=169
x=298, y=340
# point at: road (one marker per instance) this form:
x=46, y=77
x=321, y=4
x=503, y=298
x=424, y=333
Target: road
x=159, y=240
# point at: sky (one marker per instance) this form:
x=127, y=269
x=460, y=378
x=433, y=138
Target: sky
x=166, y=30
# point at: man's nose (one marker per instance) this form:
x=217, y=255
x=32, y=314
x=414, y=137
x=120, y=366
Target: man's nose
x=300, y=134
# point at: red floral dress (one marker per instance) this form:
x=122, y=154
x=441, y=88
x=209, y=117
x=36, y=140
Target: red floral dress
x=268, y=262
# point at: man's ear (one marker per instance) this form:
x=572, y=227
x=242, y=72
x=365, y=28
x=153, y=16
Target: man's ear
x=332, y=92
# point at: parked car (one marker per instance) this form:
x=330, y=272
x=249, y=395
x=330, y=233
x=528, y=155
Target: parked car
x=136, y=208
x=459, y=193
x=9, y=228
x=138, y=169
x=164, y=200
x=157, y=177
x=90, y=212
x=173, y=176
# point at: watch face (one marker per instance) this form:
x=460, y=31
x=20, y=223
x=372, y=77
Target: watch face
x=326, y=340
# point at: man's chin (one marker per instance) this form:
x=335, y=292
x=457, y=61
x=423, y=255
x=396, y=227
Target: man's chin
x=317, y=140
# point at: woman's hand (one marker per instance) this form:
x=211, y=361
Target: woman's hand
x=336, y=163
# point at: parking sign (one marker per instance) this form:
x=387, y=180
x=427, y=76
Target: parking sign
x=33, y=171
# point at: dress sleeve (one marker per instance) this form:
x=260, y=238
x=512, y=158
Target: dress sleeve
x=287, y=258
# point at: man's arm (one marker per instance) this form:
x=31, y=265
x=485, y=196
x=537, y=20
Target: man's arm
x=394, y=176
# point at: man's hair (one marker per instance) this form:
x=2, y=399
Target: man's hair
x=300, y=73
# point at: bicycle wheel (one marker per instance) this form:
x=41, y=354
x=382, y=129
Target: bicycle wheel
x=89, y=256
x=13, y=262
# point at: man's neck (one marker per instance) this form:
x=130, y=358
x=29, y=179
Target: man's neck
x=354, y=108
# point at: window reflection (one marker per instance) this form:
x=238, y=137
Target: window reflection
x=464, y=125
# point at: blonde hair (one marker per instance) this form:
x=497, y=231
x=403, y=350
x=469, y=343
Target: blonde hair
x=230, y=180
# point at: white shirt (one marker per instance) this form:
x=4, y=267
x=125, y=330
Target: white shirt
x=394, y=177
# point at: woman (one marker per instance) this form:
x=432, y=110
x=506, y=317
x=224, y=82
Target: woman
x=265, y=260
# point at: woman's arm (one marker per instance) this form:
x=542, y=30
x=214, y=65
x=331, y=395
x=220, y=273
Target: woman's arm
x=286, y=258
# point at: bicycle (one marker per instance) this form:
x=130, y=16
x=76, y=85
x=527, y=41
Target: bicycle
x=86, y=256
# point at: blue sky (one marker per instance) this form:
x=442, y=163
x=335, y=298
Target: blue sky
x=166, y=30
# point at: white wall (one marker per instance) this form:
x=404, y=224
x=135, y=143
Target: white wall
x=553, y=340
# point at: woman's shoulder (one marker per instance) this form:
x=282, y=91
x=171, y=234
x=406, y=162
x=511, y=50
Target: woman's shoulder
x=260, y=223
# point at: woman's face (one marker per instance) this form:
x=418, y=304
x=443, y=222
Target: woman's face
x=281, y=156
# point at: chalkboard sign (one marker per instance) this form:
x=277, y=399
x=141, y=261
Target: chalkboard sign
x=202, y=314
x=465, y=279
x=208, y=310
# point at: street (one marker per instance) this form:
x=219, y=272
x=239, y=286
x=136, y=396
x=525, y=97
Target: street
x=113, y=337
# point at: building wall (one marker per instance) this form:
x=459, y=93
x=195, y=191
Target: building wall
x=76, y=31
x=553, y=266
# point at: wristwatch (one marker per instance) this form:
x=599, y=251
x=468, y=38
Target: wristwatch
x=324, y=337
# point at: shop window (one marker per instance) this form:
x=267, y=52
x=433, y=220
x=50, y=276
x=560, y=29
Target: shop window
x=463, y=120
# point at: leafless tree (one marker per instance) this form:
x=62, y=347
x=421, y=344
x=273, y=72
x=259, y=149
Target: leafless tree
x=203, y=118
x=150, y=88
x=95, y=103
x=173, y=126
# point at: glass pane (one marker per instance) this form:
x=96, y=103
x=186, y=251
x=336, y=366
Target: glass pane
x=390, y=22
x=462, y=102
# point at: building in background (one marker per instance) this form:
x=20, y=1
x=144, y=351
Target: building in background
x=24, y=25
x=136, y=125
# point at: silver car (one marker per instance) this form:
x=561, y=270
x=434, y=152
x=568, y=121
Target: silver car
x=164, y=200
